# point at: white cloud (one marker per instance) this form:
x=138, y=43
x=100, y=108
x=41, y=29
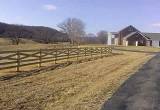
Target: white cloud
x=50, y=7
x=156, y=24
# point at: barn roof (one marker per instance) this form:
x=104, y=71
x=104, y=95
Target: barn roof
x=153, y=36
x=131, y=34
x=130, y=26
x=114, y=33
x=149, y=36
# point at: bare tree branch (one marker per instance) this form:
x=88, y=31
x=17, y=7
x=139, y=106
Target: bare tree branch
x=75, y=28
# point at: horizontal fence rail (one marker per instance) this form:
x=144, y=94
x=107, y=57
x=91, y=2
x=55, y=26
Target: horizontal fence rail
x=21, y=58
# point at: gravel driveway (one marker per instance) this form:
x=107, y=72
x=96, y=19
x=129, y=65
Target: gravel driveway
x=140, y=92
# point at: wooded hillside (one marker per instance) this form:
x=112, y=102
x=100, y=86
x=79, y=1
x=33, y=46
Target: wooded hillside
x=36, y=33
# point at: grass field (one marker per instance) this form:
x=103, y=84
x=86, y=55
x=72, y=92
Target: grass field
x=32, y=46
x=139, y=48
x=44, y=46
x=7, y=41
x=82, y=86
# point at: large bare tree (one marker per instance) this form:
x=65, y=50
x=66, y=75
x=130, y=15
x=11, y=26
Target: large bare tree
x=75, y=28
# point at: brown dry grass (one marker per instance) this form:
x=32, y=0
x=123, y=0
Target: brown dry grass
x=139, y=48
x=8, y=41
x=32, y=46
x=82, y=86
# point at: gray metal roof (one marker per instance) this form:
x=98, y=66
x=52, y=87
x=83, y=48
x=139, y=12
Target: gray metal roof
x=137, y=32
x=153, y=36
x=132, y=33
x=149, y=36
x=114, y=33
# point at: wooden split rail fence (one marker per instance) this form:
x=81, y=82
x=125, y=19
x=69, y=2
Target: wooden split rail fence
x=21, y=58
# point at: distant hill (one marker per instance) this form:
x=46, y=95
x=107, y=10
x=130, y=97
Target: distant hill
x=39, y=34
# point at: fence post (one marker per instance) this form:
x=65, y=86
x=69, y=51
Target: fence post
x=101, y=52
x=85, y=52
x=110, y=50
x=77, y=53
x=106, y=51
x=18, y=60
x=91, y=52
x=40, y=58
x=56, y=57
x=68, y=54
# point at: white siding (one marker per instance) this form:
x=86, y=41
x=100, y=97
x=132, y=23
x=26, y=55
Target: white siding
x=155, y=43
x=113, y=39
x=109, y=38
x=148, y=43
x=116, y=41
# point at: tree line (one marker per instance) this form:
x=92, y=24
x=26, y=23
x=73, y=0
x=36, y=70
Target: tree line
x=39, y=34
x=71, y=30
x=75, y=29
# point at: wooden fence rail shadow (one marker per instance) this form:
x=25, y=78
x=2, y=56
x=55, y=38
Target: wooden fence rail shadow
x=21, y=58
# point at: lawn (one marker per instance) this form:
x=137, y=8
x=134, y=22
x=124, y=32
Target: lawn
x=138, y=48
x=83, y=86
x=32, y=46
x=8, y=41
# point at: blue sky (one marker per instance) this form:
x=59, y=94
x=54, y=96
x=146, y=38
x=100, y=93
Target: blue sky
x=110, y=15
